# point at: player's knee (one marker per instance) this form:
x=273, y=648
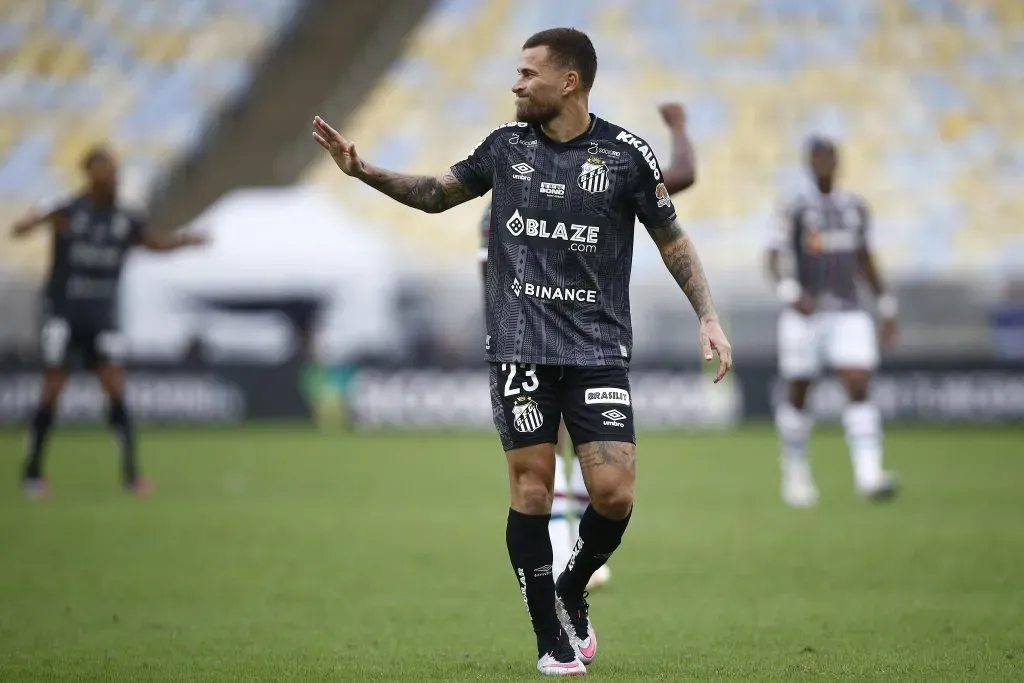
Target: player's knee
x=858, y=393
x=53, y=383
x=530, y=493
x=612, y=497
x=856, y=385
x=798, y=393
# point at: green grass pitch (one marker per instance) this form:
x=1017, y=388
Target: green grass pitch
x=286, y=554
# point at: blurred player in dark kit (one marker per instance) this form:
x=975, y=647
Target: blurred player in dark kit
x=92, y=236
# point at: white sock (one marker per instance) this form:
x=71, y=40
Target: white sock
x=863, y=425
x=579, y=495
x=558, y=527
x=794, y=428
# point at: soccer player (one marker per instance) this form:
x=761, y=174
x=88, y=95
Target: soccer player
x=92, y=235
x=570, y=497
x=564, y=200
x=826, y=233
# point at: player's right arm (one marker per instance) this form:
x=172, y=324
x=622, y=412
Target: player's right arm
x=36, y=218
x=787, y=288
x=432, y=194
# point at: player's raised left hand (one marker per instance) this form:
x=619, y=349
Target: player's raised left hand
x=341, y=150
x=712, y=338
x=673, y=114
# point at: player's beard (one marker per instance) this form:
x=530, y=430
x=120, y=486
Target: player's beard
x=531, y=111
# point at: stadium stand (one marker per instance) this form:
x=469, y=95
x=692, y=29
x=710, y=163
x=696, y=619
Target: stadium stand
x=925, y=96
x=147, y=77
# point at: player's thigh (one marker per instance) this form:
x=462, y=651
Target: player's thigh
x=799, y=346
x=597, y=405
x=598, y=410
x=525, y=403
x=852, y=342
x=531, y=478
x=105, y=349
x=56, y=342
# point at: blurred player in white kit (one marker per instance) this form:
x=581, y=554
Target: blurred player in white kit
x=826, y=235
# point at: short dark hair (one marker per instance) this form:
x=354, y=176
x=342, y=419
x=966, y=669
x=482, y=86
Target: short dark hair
x=571, y=49
x=818, y=144
x=94, y=154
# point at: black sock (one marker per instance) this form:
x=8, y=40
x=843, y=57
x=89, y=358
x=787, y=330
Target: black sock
x=38, y=431
x=529, y=549
x=599, y=537
x=122, y=427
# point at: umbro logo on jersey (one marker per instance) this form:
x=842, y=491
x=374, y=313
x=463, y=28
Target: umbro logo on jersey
x=517, y=288
x=522, y=170
x=594, y=175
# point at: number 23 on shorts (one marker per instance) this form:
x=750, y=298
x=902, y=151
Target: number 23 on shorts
x=527, y=381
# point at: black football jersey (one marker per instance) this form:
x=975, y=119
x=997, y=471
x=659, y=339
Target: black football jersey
x=89, y=249
x=560, y=244
x=824, y=233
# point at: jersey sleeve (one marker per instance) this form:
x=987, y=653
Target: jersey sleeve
x=780, y=230
x=651, y=199
x=476, y=172
x=56, y=206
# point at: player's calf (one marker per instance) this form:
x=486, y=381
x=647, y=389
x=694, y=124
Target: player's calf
x=531, y=475
x=121, y=424
x=39, y=429
x=794, y=428
x=862, y=424
x=610, y=470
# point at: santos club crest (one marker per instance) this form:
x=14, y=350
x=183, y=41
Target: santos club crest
x=526, y=415
x=594, y=175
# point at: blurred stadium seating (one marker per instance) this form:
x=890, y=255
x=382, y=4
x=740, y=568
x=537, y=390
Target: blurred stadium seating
x=925, y=95
x=147, y=76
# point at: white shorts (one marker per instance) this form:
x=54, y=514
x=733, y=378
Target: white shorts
x=836, y=339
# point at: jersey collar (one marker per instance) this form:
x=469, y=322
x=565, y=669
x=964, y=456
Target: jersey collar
x=582, y=136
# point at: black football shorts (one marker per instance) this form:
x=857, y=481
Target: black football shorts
x=80, y=340
x=528, y=400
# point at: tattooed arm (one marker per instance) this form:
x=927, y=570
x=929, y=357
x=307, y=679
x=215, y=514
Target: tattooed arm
x=680, y=257
x=432, y=194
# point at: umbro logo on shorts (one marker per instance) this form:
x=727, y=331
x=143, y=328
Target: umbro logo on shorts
x=614, y=418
